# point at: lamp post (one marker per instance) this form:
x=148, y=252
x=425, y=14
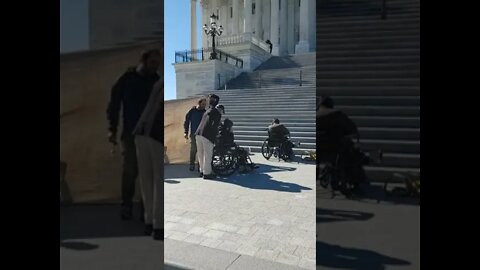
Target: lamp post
x=213, y=31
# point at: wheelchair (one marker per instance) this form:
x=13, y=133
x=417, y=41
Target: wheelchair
x=227, y=159
x=281, y=149
x=341, y=166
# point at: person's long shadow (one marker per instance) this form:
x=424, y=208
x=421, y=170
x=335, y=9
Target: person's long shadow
x=95, y=221
x=332, y=215
x=258, y=179
x=334, y=256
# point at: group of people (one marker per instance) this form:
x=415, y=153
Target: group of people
x=202, y=126
x=139, y=93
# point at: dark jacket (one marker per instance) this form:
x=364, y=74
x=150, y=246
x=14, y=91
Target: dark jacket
x=151, y=122
x=192, y=120
x=332, y=127
x=130, y=92
x=208, y=127
x=277, y=132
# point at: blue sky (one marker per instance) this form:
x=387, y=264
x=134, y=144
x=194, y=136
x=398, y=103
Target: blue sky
x=177, y=38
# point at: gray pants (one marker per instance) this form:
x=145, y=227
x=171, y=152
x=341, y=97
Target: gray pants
x=150, y=156
x=193, y=149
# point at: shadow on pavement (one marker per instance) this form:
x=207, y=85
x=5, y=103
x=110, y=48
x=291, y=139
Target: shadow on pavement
x=373, y=193
x=172, y=181
x=78, y=245
x=332, y=215
x=258, y=180
x=172, y=267
x=334, y=256
x=377, y=193
x=96, y=221
x=265, y=168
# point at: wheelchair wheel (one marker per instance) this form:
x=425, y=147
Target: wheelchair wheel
x=266, y=150
x=224, y=162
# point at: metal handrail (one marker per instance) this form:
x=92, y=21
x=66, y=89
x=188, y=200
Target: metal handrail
x=204, y=54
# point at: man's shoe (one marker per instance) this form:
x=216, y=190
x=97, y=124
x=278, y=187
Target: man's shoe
x=158, y=234
x=126, y=213
x=148, y=229
x=192, y=167
x=209, y=176
x=201, y=175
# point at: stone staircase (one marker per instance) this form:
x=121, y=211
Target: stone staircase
x=252, y=103
x=278, y=72
x=371, y=68
x=252, y=110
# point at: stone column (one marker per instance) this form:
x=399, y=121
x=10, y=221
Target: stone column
x=236, y=8
x=266, y=21
x=193, y=24
x=291, y=27
x=274, y=26
x=258, y=19
x=303, y=45
x=283, y=27
x=247, y=11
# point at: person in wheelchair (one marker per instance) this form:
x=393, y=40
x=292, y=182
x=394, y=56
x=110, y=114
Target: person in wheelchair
x=278, y=135
x=226, y=142
x=335, y=142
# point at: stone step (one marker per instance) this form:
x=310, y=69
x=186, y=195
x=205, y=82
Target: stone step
x=263, y=133
x=377, y=100
x=387, y=121
x=368, y=19
x=378, y=39
x=400, y=160
x=369, y=74
x=326, y=13
x=368, y=45
x=325, y=61
x=368, y=34
x=262, y=126
x=260, y=142
x=380, y=110
x=368, y=91
x=369, y=53
x=382, y=173
x=322, y=82
x=395, y=146
x=259, y=108
x=296, y=150
x=389, y=133
x=269, y=116
x=294, y=137
x=368, y=67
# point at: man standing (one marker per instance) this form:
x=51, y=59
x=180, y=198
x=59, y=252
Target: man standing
x=149, y=143
x=206, y=134
x=130, y=93
x=192, y=121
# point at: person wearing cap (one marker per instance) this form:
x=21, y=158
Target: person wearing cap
x=206, y=135
x=192, y=120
